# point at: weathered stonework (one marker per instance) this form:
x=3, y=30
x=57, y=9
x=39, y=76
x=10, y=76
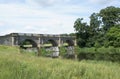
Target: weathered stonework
x=14, y=39
x=38, y=41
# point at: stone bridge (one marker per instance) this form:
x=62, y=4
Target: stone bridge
x=37, y=40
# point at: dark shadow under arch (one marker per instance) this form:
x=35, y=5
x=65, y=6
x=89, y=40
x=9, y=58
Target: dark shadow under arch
x=70, y=42
x=28, y=42
x=53, y=42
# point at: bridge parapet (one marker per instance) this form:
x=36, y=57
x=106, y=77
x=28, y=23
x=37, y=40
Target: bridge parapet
x=39, y=39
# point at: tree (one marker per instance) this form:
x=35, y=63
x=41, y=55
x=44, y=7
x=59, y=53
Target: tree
x=100, y=31
x=94, y=29
x=72, y=34
x=110, y=16
x=80, y=26
x=81, y=29
x=95, y=22
x=113, y=36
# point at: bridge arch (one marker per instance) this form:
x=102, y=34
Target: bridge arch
x=53, y=49
x=50, y=41
x=53, y=42
x=69, y=48
x=70, y=42
x=28, y=43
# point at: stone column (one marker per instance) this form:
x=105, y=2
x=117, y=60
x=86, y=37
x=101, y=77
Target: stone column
x=59, y=41
x=39, y=47
x=55, y=51
x=70, y=52
x=75, y=42
x=12, y=41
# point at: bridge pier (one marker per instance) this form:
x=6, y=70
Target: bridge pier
x=12, y=41
x=55, y=52
x=39, y=47
x=70, y=54
x=37, y=41
x=39, y=51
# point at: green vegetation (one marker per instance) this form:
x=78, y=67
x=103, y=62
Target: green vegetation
x=107, y=54
x=103, y=30
x=100, y=40
x=15, y=65
x=47, y=45
x=45, y=52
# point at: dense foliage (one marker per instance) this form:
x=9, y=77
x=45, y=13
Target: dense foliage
x=104, y=54
x=103, y=30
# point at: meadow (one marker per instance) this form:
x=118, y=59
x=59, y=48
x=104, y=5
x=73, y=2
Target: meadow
x=16, y=65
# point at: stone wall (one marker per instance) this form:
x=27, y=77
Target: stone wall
x=6, y=40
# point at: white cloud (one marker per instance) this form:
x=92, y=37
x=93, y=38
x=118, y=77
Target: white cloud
x=45, y=16
x=27, y=19
x=101, y=2
x=46, y=2
x=2, y=24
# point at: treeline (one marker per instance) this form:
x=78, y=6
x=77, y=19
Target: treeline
x=103, y=30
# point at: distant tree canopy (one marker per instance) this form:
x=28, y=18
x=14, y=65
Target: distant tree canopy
x=110, y=16
x=103, y=30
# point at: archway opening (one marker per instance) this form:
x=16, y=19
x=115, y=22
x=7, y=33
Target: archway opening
x=70, y=42
x=28, y=46
x=69, y=47
x=51, y=48
x=50, y=43
x=54, y=43
x=28, y=43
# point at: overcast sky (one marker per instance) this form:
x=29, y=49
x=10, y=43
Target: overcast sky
x=47, y=16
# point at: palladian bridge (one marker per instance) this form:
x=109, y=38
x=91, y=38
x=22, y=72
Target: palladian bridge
x=39, y=40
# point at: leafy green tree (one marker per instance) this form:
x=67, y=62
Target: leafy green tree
x=100, y=32
x=95, y=22
x=80, y=26
x=113, y=37
x=93, y=29
x=72, y=34
x=81, y=29
x=110, y=17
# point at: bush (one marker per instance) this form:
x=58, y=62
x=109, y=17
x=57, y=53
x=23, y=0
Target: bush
x=107, y=54
x=45, y=52
x=29, y=51
x=62, y=51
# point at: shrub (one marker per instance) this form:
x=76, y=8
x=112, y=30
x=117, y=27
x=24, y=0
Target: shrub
x=107, y=54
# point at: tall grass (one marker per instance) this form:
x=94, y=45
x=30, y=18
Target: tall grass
x=14, y=65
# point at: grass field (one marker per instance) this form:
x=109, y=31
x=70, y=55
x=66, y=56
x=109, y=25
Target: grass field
x=16, y=65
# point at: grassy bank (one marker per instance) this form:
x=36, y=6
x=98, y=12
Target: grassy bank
x=14, y=65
